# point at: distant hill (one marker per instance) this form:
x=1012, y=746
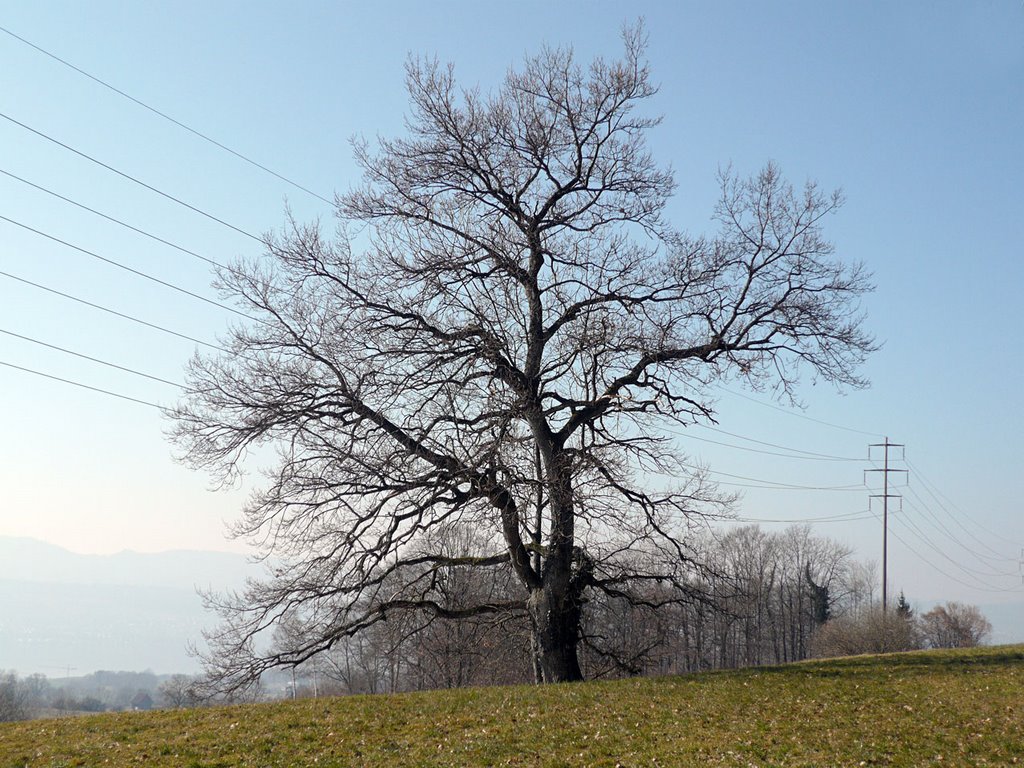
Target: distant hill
x=957, y=708
x=23, y=559
x=130, y=610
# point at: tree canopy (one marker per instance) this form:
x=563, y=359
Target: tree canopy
x=492, y=343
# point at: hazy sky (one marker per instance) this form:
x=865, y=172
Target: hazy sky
x=915, y=109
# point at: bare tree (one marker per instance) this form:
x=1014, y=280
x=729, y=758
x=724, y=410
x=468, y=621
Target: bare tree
x=179, y=691
x=13, y=698
x=954, y=625
x=493, y=339
x=373, y=661
x=862, y=583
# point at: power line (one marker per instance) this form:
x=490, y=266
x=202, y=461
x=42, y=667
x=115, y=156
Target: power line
x=228, y=268
x=126, y=268
x=793, y=453
x=943, y=528
x=924, y=537
x=848, y=517
x=783, y=487
x=91, y=359
x=800, y=415
x=124, y=224
x=83, y=386
x=165, y=116
x=935, y=492
x=141, y=183
x=945, y=572
x=772, y=484
x=122, y=315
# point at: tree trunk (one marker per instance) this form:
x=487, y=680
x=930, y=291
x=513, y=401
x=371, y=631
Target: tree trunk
x=555, y=603
x=556, y=627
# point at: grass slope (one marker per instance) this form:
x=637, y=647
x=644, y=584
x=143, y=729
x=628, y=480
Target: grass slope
x=946, y=708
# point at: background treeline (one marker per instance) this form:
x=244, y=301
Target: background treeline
x=759, y=598
x=103, y=691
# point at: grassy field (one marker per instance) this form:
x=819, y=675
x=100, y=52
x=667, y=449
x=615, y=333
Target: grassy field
x=948, y=708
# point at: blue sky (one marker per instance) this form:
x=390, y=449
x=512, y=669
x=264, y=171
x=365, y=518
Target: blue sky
x=915, y=109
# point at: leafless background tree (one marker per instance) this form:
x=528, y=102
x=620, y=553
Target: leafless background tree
x=492, y=342
x=955, y=625
x=179, y=691
x=13, y=699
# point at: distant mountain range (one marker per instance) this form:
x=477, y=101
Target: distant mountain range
x=129, y=611
x=24, y=559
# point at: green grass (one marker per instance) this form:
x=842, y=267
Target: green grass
x=947, y=708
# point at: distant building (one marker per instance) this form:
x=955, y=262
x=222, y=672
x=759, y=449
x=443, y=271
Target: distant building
x=142, y=700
